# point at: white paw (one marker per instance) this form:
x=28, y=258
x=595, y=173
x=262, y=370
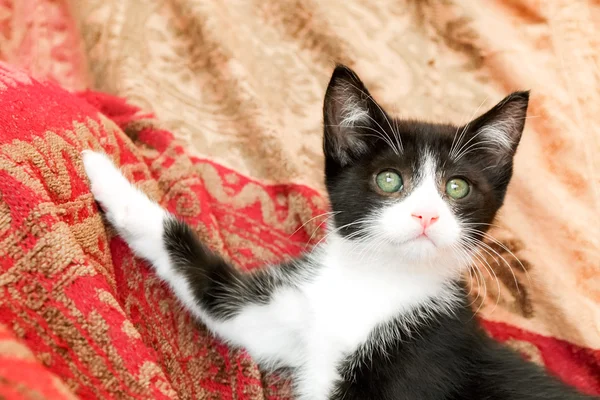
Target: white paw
x=137, y=218
x=108, y=185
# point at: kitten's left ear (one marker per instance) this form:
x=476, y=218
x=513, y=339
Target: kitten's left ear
x=499, y=130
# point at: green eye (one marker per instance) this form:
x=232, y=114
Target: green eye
x=457, y=188
x=389, y=181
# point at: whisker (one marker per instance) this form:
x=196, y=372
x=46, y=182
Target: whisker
x=487, y=247
x=335, y=230
x=314, y=232
x=483, y=283
x=495, y=277
x=383, y=132
x=466, y=257
x=472, y=267
x=313, y=218
x=501, y=245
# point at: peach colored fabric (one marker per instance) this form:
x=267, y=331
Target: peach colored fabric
x=242, y=83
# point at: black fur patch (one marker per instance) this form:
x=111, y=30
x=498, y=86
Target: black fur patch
x=219, y=287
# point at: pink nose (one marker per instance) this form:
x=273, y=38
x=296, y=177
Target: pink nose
x=426, y=217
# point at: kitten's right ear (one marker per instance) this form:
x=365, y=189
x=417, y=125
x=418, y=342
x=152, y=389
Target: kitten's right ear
x=349, y=113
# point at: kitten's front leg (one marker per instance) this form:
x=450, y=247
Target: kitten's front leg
x=260, y=312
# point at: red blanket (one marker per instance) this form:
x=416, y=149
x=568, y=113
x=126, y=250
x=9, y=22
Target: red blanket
x=80, y=317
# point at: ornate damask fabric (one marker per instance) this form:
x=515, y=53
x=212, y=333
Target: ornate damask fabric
x=236, y=88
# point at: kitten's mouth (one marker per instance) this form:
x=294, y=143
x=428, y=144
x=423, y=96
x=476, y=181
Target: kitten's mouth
x=419, y=239
x=423, y=238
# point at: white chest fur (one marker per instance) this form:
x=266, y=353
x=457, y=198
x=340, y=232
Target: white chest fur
x=315, y=326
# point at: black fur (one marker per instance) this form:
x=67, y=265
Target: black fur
x=220, y=288
x=444, y=355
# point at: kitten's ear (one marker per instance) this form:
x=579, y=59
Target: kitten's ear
x=349, y=113
x=499, y=130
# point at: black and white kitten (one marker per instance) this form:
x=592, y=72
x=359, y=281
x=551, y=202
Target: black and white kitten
x=379, y=310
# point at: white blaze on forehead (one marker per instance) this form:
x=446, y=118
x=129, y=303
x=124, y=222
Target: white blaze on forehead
x=425, y=194
x=427, y=169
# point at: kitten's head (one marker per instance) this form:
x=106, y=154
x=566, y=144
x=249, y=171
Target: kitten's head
x=425, y=191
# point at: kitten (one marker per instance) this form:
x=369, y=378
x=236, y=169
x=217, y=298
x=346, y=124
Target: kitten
x=378, y=311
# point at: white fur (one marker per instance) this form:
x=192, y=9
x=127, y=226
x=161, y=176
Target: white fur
x=496, y=136
x=354, y=114
x=314, y=326
x=499, y=134
x=354, y=111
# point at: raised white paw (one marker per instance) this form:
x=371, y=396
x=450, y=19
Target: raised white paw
x=137, y=218
x=108, y=185
x=103, y=174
